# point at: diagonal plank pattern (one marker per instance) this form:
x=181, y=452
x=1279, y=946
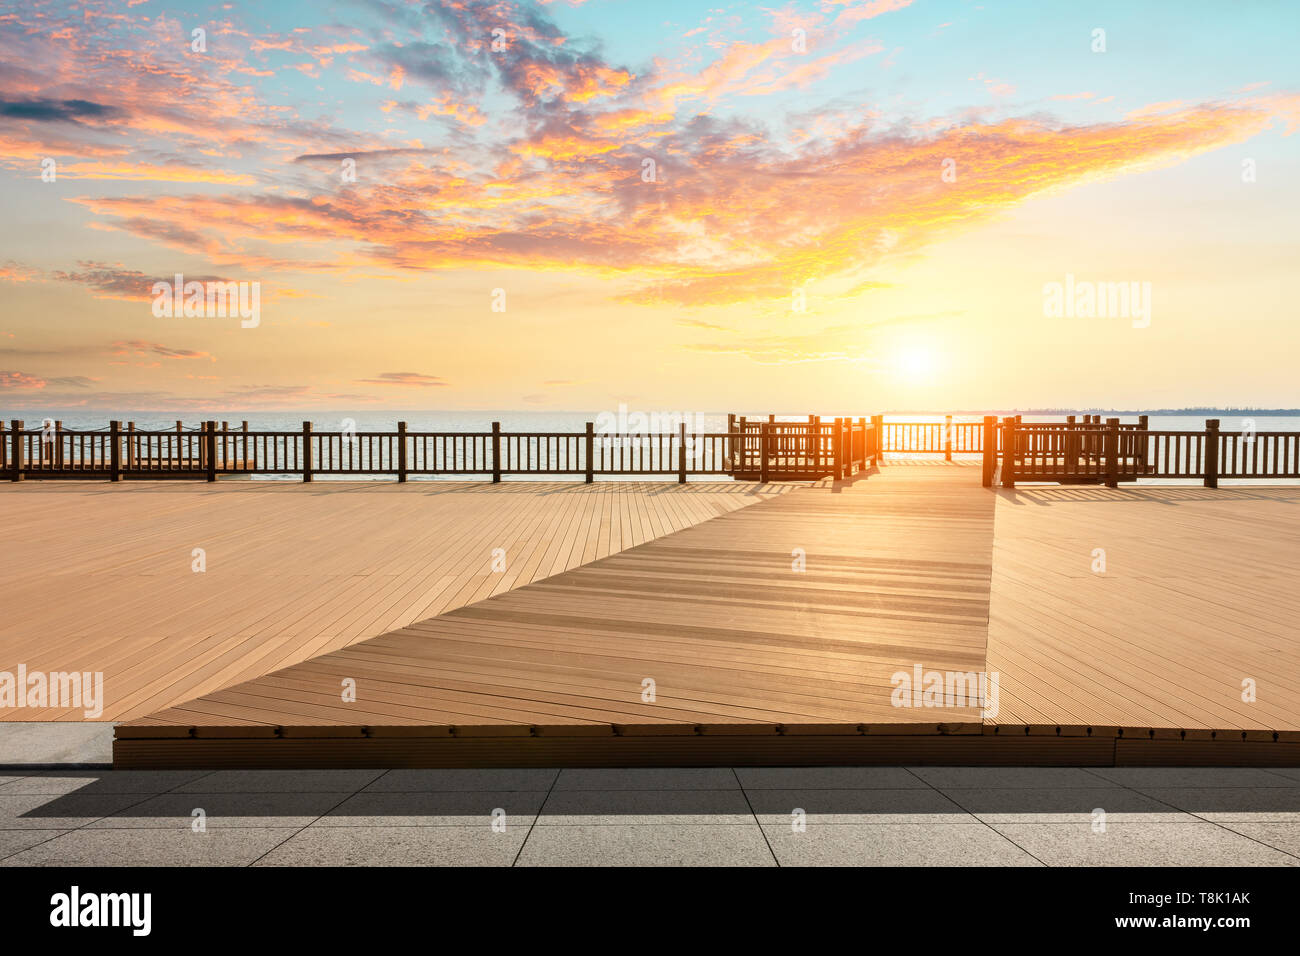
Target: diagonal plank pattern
x=100, y=577
x=771, y=634
x=1149, y=609
x=734, y=637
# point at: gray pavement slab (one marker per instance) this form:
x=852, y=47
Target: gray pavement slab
x=55, y=742
x=968, y=778
x=686, y=806
x=1141, y=844
x=661, y=844
x=1063, y=805
x=857, y=806
x=477, y=845
x=152, y=847
x=894, y=844
x=445, y=781
x=648, y=778
x=468, y=808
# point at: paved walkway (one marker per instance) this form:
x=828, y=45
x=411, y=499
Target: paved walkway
x=923, y=816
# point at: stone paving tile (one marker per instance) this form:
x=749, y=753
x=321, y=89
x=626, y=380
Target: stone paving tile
x=1284, y=836
x=469, y=808
x=107, y=781
x=1261, y=804
x=446, y=781
x=36, y=811
x=11, y=841
x=223, y=810
x=477, y=845
x=1142, y=778
x=645, y=807
x=1141, y=844
x=853, y=816
x=664, y=844
x=827, y=778
x=1290, y=773
x=156, y=847
x=281, y=781
x=856, y=806
x=1063, y=805
x=894, y=844
x=970, y=778
x=648, y=778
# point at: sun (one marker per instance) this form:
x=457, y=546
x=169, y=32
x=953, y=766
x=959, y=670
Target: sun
x=915, y=363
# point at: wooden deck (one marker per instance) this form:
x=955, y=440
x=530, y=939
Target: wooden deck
x=756, y=662
x=1200, y=593
x=98, y=577
x=753, y=660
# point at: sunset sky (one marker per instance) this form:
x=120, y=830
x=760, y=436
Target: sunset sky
x=913, y=171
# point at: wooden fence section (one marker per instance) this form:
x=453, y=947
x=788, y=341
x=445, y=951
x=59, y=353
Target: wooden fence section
x=1076, y=451
x=816, y=448
x=759, y=451
x=1108, y=454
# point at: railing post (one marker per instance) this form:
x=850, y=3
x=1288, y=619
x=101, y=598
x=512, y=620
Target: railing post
x=762, y=440
x=210, y=445
x=17, y=456
x=862, y=426
x=879, y=422
x=1211, y=453
x=115, y=451
x=401, y=451
x=815, y=428
x=681, y=454
x=846, y=443
x=837, y=449
x=591, y=452
x=1112, y=452
x=306, y=451
x=990, y=449
x=947, y=438
x=1142, y=442
x=1009, y=452
x=496, y=452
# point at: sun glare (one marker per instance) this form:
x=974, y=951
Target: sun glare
x=914, y=363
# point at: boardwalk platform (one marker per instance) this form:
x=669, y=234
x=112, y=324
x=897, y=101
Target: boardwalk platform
x=772, y=634
x=103, y=577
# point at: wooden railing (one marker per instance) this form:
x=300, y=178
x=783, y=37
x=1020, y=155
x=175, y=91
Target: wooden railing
x=967, y=438
x=1083, y=451
x=1111, y=453
x=750, y=450
x=812, y=449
